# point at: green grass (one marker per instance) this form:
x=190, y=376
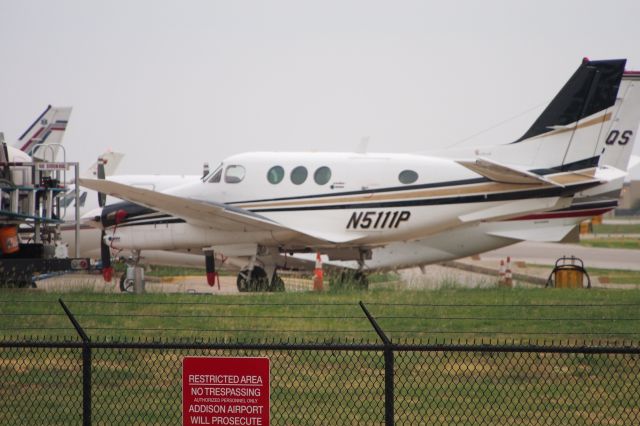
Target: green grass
x=616, y=276
x=43, y=386
x=448, y=313
x=616, y=229
x=613, y=242
x=171, y=271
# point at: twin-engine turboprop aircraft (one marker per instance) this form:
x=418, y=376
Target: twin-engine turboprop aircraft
x=261, y=205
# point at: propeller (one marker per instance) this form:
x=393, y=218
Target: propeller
x=105, y=251
x=102, y=197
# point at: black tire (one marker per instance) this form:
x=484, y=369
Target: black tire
x=277, y=284
x=242, y=282
x=258, y=281
x=361, y=280
x=126, y=285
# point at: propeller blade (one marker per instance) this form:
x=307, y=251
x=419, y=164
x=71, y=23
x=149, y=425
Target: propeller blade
x=102, y=197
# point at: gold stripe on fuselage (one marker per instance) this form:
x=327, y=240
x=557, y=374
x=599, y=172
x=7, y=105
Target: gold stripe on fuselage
x=593, y=122
x=570, y=178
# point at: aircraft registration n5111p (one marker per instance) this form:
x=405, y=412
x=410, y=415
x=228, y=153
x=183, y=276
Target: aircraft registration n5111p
x=259, y=205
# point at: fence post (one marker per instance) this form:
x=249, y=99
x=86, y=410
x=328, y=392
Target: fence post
x=389, y=396
x=86, y=366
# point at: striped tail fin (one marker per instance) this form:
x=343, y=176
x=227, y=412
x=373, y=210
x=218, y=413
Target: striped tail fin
x=41, y=140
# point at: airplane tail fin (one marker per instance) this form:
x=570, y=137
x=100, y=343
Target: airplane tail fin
x=110, y=160
x=41, y=140
x=592, y=120
x=617, y=145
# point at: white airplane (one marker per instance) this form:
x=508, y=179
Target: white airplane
x=43, y=138
x=89, y=201
x=359, y=207
x=41, y=141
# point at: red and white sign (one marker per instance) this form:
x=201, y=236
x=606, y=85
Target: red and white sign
x=225, y=391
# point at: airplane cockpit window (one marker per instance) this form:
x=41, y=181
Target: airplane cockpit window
x=299, y=175
x=234, y=174
x=216, y=175
x=408, y=176
x=275, y=175
x=322, y=175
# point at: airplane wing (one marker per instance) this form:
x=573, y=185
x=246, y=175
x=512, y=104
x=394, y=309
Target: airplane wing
x=506, y=174
x=206, y=213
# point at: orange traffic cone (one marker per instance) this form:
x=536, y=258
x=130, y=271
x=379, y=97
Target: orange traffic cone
x=508, y=277
x=318, y=275
x=501, y=273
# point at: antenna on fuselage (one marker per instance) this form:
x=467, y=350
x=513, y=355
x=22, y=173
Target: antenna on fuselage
x=363, y=145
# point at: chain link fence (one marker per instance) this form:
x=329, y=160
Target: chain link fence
x=104, y=382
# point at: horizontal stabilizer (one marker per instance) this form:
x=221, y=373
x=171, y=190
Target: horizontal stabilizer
x=505, y=174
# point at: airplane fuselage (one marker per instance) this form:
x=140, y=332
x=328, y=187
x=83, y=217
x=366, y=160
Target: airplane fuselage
x=345, y=199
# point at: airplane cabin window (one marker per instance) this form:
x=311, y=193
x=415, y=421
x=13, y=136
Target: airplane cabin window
x=217, y=175
x=234, y=174
x=275, y=175
x=322, y=175
x=299, y=175
x=408, y=176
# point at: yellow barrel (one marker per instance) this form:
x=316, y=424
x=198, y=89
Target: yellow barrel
x=9, y=239
x=568, y=278
x=585, y=227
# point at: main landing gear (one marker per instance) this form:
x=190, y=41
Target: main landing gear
x=253, y=278
x=257, y=280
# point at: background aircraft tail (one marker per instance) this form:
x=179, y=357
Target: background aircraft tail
x=110, y=160
x=41, y=139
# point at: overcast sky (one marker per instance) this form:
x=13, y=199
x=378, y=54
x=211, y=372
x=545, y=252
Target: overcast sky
x=175, y=83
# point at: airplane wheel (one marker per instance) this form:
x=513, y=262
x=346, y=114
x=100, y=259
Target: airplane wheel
x=277, y=283
x=126, y=285
x=361, y=280
x=242, y=282
x=258, y=281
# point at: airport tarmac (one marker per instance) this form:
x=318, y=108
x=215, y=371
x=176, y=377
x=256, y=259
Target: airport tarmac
x=523, y=256
x=95, y=283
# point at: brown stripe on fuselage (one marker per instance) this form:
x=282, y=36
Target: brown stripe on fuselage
x=460, y=190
